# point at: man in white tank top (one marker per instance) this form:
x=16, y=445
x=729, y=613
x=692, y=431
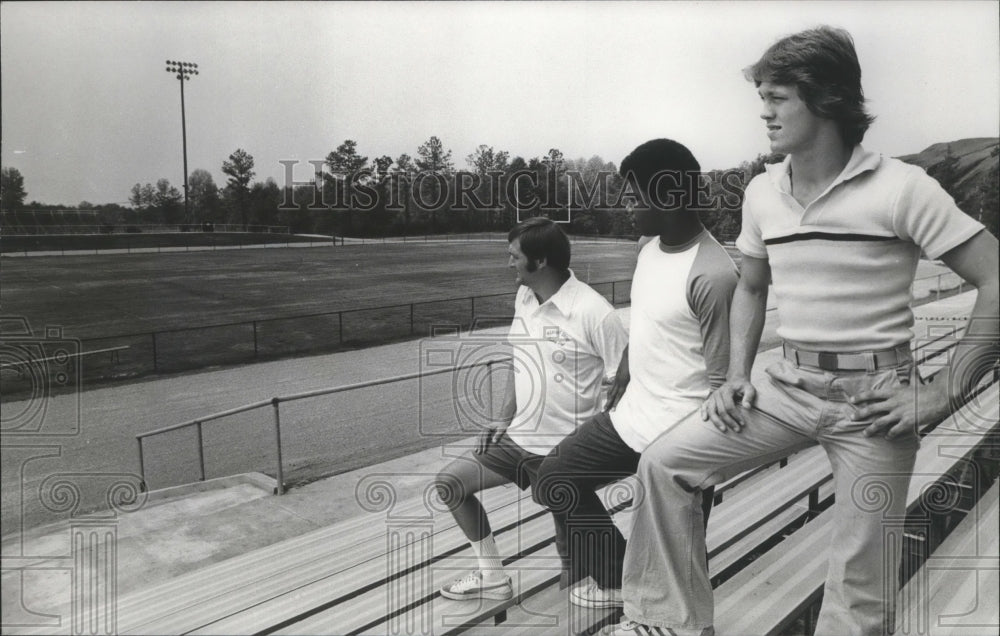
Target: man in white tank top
x=678, y=353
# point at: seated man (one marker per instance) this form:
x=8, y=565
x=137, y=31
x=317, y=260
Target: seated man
x=575, y=341
x=678, y=352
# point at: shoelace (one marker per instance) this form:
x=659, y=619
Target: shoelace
x=472, y=579
x=595, y=591
x=626, y=625
x=591, y=590
x=629, y=625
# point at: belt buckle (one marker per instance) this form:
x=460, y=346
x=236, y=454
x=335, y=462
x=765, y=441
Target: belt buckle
x=888, y=358
x=827, y=361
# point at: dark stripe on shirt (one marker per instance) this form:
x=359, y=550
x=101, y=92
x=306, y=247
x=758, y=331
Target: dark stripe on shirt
x=827, y=236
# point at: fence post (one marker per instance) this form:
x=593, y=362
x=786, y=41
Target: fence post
x=201, y=453
x=277, y=437
x=142, y=467
x=155, y=364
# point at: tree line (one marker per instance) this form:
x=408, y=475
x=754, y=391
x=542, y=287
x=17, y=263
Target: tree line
x=349, y=194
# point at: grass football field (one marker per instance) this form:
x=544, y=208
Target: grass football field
x=99, y=297
x=102, y=295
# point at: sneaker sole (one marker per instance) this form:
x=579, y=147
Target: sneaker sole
x=589, y=604
x=491, y=596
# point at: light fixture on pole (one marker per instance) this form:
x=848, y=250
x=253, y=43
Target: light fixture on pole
x=183, y=71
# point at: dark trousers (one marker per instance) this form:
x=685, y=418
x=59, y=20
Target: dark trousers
x=568, y=478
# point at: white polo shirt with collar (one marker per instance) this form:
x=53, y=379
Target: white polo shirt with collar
x=842, y=267
x=563, y=349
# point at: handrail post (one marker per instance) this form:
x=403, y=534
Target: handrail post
x=489, y=387
x=142, y=466
x=277, y=438
x=201, y=453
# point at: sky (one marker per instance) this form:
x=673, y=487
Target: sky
x=88, y=108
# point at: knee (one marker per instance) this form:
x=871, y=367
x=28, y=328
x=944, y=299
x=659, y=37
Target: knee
x=450, y=489
x=555, y=488
x=668, y=477
x=658, y=460
x=664, y=470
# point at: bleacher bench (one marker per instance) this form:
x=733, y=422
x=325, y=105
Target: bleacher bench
x=777, y=589
x=374, y=576
x=957, y=590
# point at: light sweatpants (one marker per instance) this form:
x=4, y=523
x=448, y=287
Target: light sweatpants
x=665, y=579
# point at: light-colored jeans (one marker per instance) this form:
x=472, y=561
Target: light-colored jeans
x=666, y=581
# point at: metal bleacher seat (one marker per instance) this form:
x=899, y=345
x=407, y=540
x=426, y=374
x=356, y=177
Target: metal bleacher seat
x=778, y=588
x=376, y=575
x=957, y=590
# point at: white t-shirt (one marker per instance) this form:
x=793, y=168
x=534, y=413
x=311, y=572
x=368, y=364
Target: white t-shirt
x=563, y=349
x=678, y=335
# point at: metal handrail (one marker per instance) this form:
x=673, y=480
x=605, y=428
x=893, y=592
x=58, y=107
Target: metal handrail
x=276, y=401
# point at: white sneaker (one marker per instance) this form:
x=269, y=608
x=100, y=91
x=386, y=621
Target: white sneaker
x=472, y=586
x=593, y=596
x=631, y=628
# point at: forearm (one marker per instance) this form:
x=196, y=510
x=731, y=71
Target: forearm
x=509, y=405
x=623, y=364
x=977, y=262
x=746, y=324
x=978, y=350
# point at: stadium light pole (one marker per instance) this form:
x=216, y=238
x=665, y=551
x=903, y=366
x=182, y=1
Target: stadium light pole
x=183, y=71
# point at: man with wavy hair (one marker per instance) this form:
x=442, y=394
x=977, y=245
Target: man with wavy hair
x=840, y=230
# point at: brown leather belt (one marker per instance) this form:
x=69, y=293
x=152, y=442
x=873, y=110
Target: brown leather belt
x=860, y=361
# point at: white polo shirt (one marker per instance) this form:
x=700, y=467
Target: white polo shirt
x=843, y=266
x=563, y=349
